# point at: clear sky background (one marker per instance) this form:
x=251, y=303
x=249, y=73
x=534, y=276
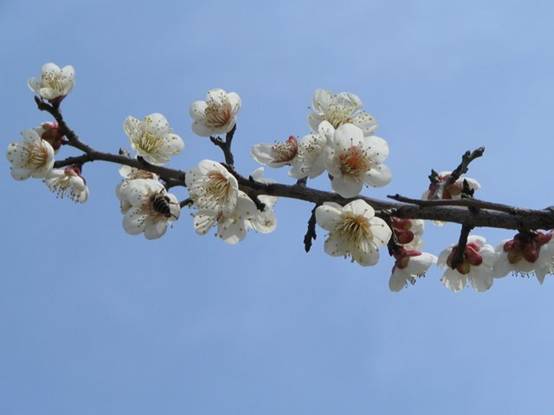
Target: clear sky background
x=94, y=321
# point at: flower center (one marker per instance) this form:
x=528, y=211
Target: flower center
x=53, y=80
x=36, y=156
x=218, y=186
x=354, y=229
x=471, y=257
x=338, y=115
x=526, y=246
x=148, y=142
x=284, y=152
x=354, y=162
x=218, y=116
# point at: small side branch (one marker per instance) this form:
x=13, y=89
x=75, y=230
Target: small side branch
x=225, y=146
x=459, y=250
x=462, y=168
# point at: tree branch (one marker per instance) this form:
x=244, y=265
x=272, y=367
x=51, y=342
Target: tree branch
x=484, y=214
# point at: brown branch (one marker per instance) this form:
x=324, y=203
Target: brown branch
x=483, y=214
x=467, y=158
x=459, y=250
x=186, y=203
x=225, y=146
x=470, y=203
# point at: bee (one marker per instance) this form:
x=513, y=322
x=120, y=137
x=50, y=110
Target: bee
x=162, y=204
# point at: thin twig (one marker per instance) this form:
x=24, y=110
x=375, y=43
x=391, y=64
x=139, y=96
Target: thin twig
x=186, y=203
x=467, y=158
x=459, y=250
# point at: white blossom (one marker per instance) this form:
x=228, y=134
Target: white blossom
x=148, y=208
x=231, y=225
x=355, y=160
x=128, y=174
x=31, y=157
x=476, y=266
x=353, y=231
x=526, y=254
x=217, y=114
x=212, y=188
x=68, y=182
x=409, y=265
x=339, y=109
x=306, y=157
x=153, y=138
x=54, y=82
x=276, y=155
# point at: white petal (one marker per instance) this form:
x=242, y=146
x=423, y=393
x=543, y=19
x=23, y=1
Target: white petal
x=377, y=148
x=20, y=173
x=197, y=110
x=203, y=222
x=380, y=230
x=366, y=255
x=234, y=99
x=328, y=216
x=378, y=176
x=360, y=207
x=346, y=187
x=199, y=128
x=335, y=246
x=398, y=280
x=155, y=229
x=134, y=221
x=156, y=124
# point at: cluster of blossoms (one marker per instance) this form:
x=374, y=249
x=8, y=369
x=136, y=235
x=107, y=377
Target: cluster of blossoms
x=341, y=143
x=219, y=202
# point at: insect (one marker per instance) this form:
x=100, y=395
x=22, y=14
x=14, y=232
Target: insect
x=162, y=204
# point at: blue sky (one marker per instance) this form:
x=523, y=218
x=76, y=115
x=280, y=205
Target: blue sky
x=95, y=321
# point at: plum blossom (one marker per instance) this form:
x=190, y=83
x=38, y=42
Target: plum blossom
x=153, y=138
x=231, y=225
x=276, y=155
x=212, y=188
x=148, y=208
x=54, y=82
x=353, y=231
x=339, y=109
x=31, y=157
x=217, y=114
x=410, y=264
x=128, y=174
x=355, y=160
x=306, y=157
x=526, y=254
x=476, y=266
x=68, y=182
x=439, y=189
